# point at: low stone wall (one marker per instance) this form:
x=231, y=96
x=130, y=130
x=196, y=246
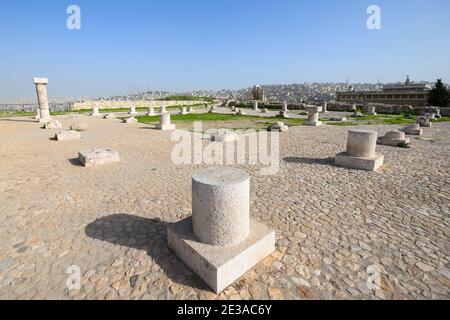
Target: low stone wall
x=18, y=107
x=127, y=104
x=386, y=108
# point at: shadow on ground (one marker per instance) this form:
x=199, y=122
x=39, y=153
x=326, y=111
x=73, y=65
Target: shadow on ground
x=303, y=160
x=145, y=234
x=75, y=162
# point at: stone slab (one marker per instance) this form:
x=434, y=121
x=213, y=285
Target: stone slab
x=392, y=142
x=220, y=266
x=94, y=157
x=165, y=127
x=368, y=164
x=68, y=135
x=313, y=124
x=223, y=136
x=414, y=132
x=130, y=120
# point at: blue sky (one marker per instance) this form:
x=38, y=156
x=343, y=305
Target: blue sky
x=176, y=45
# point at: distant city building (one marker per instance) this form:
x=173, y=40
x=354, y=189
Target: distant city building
x=413, y=94
x=258, y=93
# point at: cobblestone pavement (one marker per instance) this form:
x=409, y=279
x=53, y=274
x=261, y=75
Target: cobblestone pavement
x=334, y=225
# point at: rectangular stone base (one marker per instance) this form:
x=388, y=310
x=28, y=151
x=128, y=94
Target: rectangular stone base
x=68, y=135
x=414, y=132
x=313, y=124
x=165, y=127
x=95, y=157
x=368, y=164
x=220, y=266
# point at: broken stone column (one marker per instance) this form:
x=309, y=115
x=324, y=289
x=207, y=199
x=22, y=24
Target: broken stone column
x=183, y=111
x=284, y=113
x=414, y=129
x=132, y=110
x=53, y=124
x=255, y=105
x=164, y=123
x=95, y=111
x=151, y=111
x=220, y=242
x=41, y=90
x=313, y=116
x=424, y=121
x=325, y=107
x=394, y=139
x=360, y=154
x=371, y=110
x=190, y=109
x=162, y=109
x=38, y=115
x=223, y=135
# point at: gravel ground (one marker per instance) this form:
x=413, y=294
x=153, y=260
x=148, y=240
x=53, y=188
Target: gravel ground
x=110, y=221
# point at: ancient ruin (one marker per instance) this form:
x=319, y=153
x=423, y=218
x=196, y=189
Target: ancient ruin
x=95, y=157
x=394, y=138
x=313, y=116
x=220, y=242
x=164, y=122
x=360, y=154
x=41, y=90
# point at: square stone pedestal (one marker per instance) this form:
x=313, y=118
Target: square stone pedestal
x=368, y=164
x=165, y=127
x=313, y=124
x=220, y=266
x=414, y=132
x=96, y=157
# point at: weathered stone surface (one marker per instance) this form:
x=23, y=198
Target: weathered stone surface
x=220, y=266
x=313, y=116
x=94, y=157
x=279, y=126
x=164, y=123
x=393, y=138
x=132, y=110
x=68, y=135
x=413, y=129
x=221, y=205
x=183, y=111
x=360, y=154
x=41, y=90
x=151, y=111
x=79, y=126
x=53, y=124
x=130, y=120
x=424, y=121
x=223, y=135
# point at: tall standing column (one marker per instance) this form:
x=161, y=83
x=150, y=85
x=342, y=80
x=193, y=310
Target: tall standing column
x=41, y=90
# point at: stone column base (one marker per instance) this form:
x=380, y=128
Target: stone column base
x=220, y=266
x=368, y=164
x=313, y=124
x=414, y=132
x=392, y=142
x=283, y=114
x=165, y=127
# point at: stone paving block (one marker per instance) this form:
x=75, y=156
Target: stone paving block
x=94, y=157
x=68, y=135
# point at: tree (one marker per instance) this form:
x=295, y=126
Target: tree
x=439, y=96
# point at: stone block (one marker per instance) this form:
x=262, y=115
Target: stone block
x=80, y=126
x=130, y=120
x=68, y=135
x=53, y=124
x=94, y=157
x=220, y=266
x=278, y=126
x=223, y=135
x=394, y=139
x=413, y=130
x=361, y=163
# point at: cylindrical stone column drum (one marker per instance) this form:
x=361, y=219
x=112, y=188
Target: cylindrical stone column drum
x=221, y=206
x=313, y=116
x=414, y=126
x=362, y=143
x=41, y=90
x=164, y=119
x=163, y=109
